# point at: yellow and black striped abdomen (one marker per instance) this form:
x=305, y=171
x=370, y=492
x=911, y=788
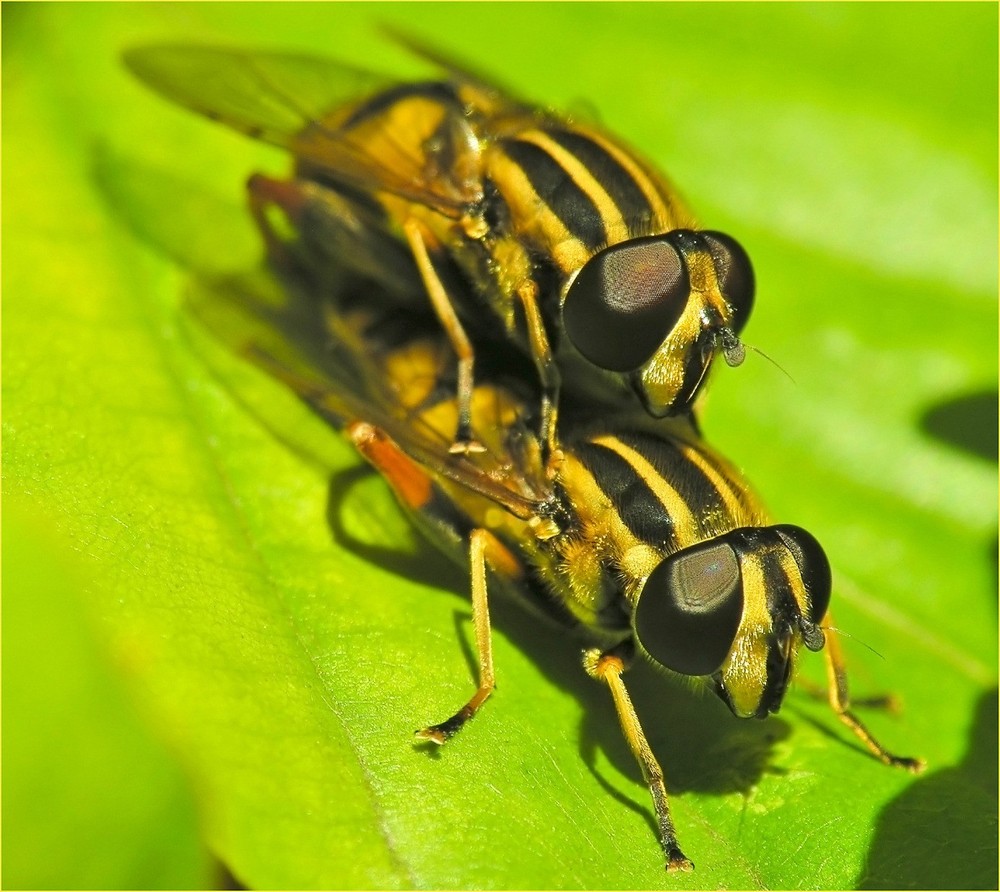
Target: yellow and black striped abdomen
x=570, y=191
x=669, y=493
x=638, y=498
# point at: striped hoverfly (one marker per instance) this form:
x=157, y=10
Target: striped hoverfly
x=516, y=224
x=642, y=540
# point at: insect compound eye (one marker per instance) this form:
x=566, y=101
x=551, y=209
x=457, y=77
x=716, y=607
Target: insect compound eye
x=690, y=609
x=624, y=301
x=813, y=565
x=734, y=273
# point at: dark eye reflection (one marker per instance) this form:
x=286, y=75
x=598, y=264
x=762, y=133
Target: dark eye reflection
x=627, y=298
x=690, y=609
x=624, y=302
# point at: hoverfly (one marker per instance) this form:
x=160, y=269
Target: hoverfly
x=642, y=539
x=507, y=218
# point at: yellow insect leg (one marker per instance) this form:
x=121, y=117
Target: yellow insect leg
x=464, y=439
x=479, y=541
x=840, y=701
x=608, y=667
x=548, y=371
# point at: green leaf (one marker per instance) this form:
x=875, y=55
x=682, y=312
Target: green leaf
x=90, y=799
x=286, y=632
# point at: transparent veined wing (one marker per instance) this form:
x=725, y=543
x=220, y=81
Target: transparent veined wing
x=291, y=101
x=269, y=96
x=484, y=94
x=331, y=359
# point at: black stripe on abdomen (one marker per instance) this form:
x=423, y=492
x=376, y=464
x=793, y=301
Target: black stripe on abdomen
x=570, y=204
x=635, y=503
x=623, y=190
x=692, y=484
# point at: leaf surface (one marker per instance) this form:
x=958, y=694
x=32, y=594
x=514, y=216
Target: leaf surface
x=287, y=631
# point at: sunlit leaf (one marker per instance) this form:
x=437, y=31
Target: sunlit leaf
x=286, y=628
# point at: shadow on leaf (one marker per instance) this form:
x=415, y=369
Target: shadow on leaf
x=941, y=832
x=967, y=422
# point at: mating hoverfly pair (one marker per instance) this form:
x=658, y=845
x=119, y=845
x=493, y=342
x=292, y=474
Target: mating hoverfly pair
x=510, y=314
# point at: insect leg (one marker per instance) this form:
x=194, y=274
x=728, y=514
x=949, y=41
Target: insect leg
x=888, y=702
x=608, y=667
x=840, y=701
x=548, y=371
x=464, y=439
x=479, y=541
x=418, y=492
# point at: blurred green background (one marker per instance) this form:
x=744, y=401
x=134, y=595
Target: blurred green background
x=212, y=653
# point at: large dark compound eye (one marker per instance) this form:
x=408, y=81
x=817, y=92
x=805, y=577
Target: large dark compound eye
x=813, y=565
x=734, y=273
x=690, y=609
x=624, y=302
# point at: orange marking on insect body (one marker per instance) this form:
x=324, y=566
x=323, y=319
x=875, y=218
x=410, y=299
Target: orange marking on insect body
x=409, y=481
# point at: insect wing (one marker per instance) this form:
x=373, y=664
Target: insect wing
x=326, y=359
x=292, y=101
x=269, y=96
x=484, y=95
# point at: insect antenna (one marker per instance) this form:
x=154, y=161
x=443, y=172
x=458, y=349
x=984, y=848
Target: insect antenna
x=773, y=362
x=853, y=638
